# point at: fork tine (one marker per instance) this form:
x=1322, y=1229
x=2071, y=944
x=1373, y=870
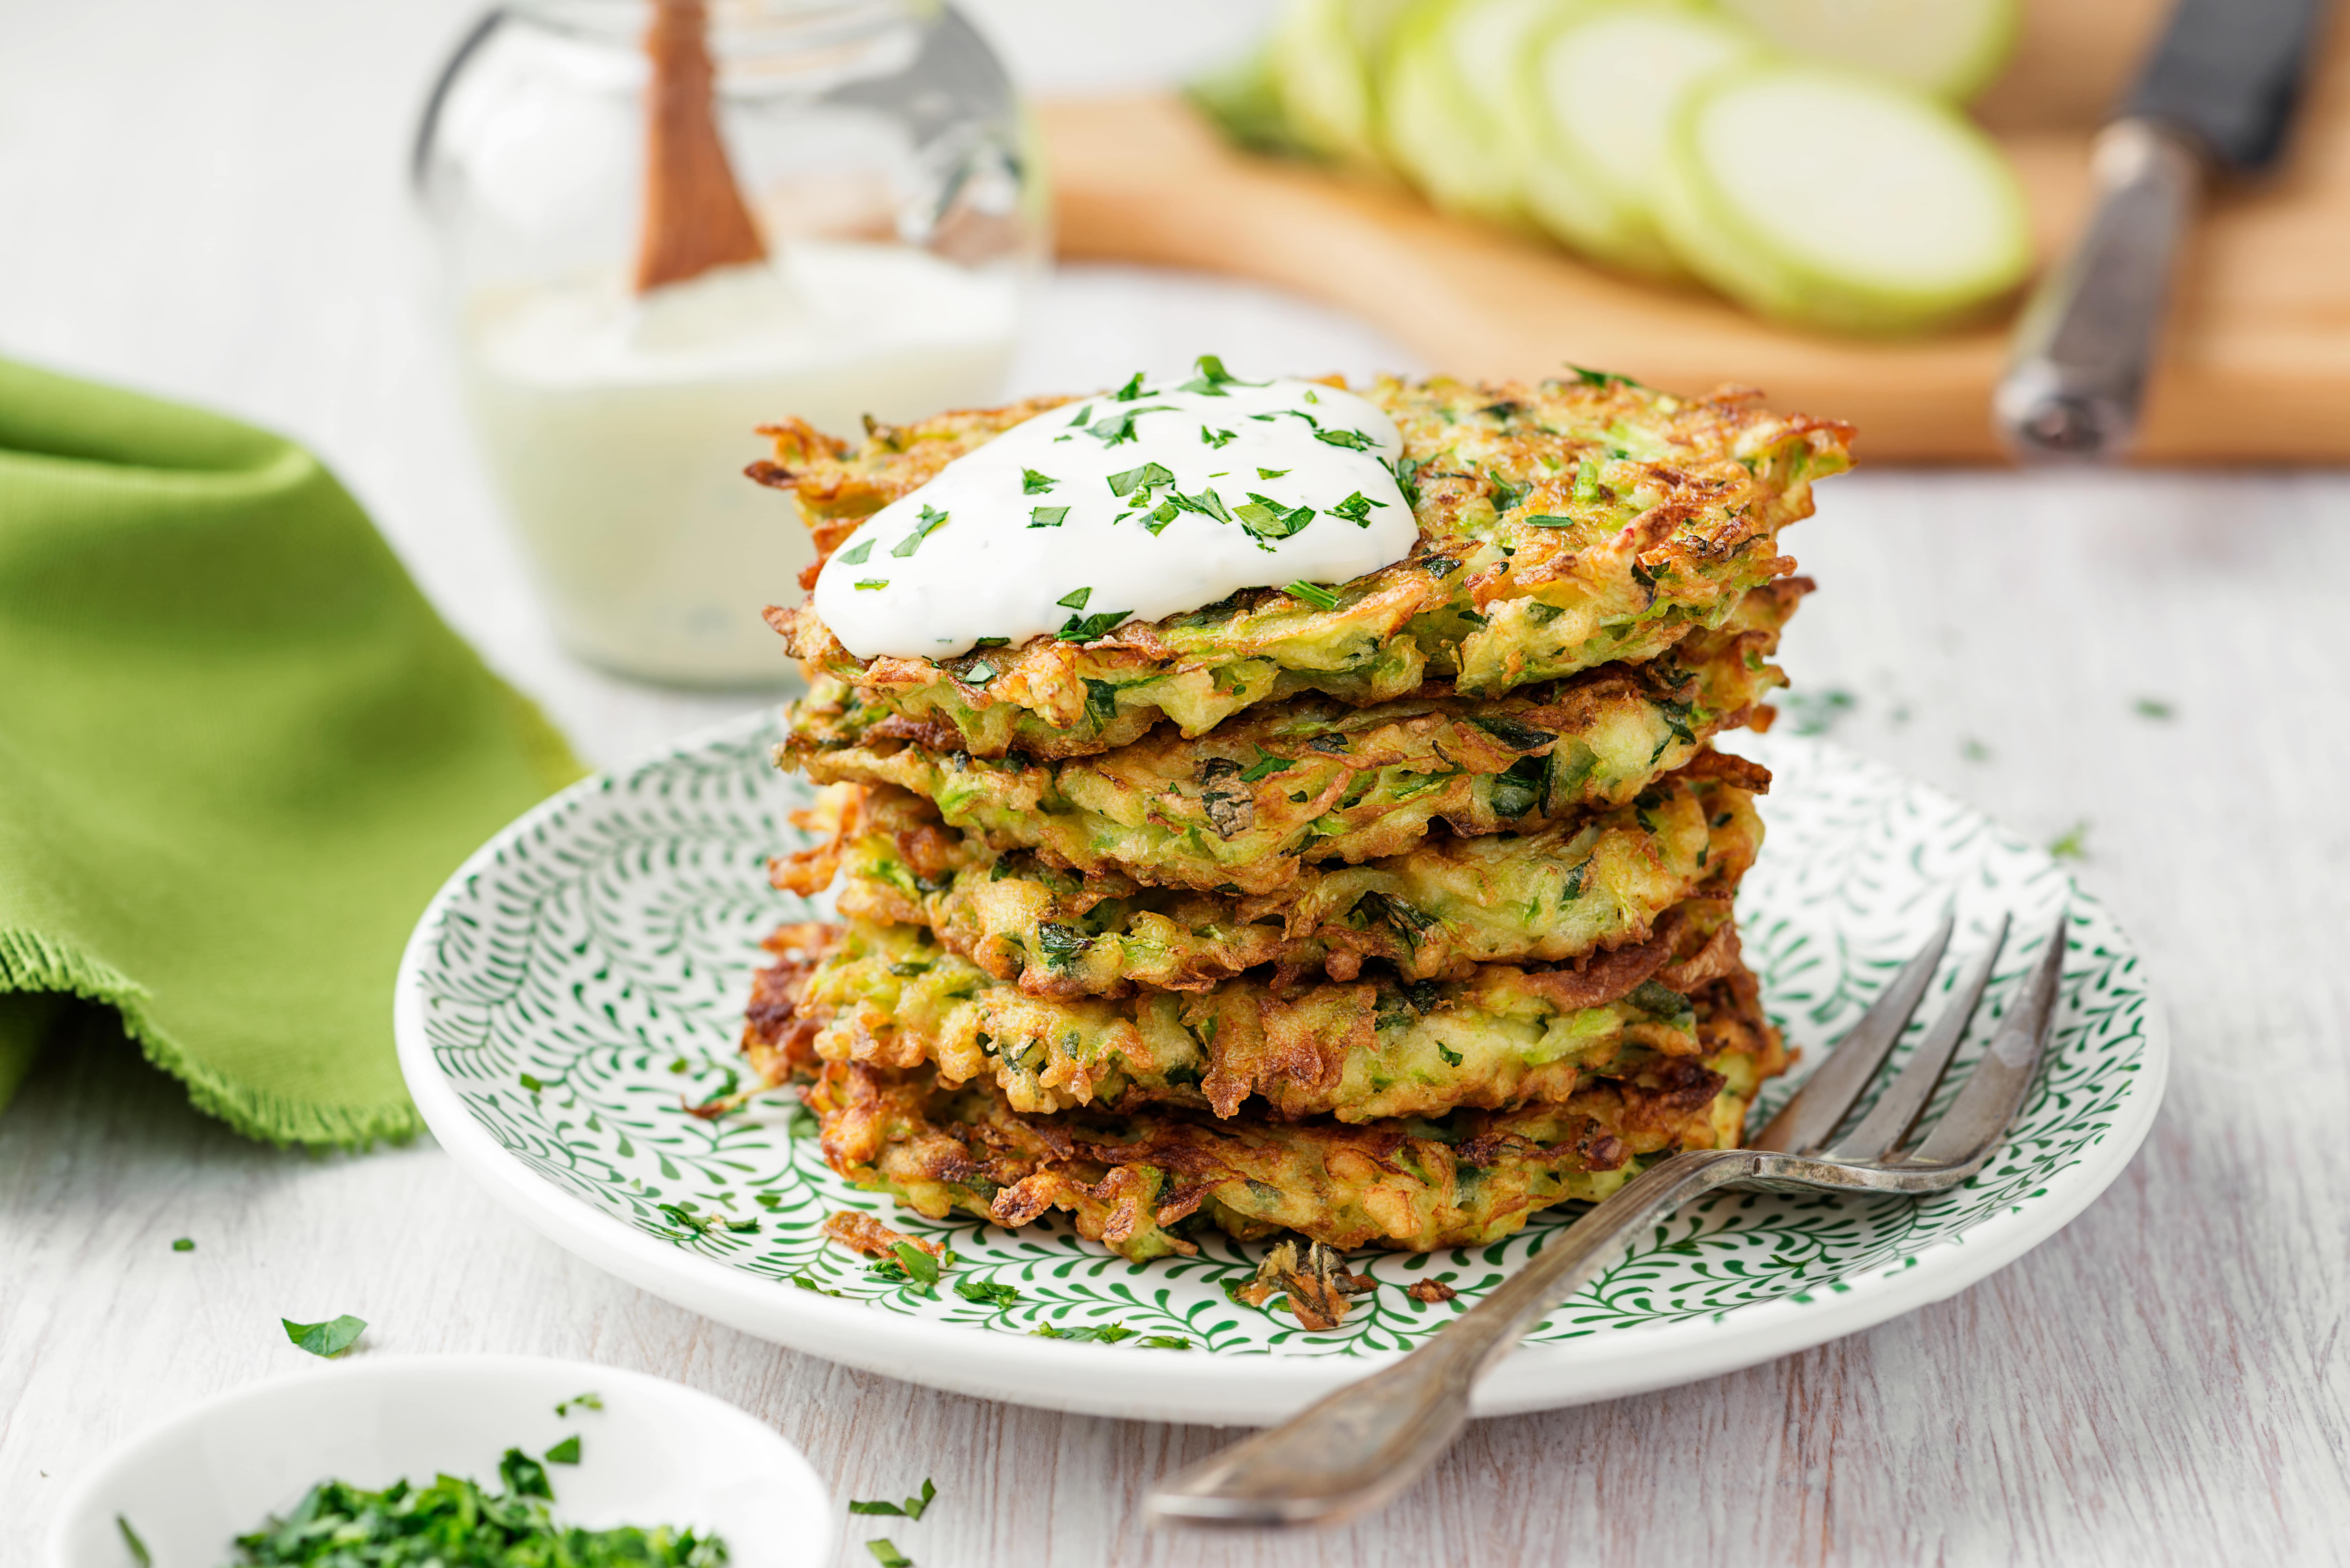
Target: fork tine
x=1888, y=1121
x=1978, y=1118
x=1805, y=1120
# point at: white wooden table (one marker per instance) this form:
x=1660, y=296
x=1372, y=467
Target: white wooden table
x=205, y=201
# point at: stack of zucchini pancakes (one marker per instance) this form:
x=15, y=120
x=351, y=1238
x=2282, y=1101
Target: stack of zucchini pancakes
x=1382, y=914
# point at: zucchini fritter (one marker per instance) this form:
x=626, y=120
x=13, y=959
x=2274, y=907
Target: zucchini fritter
x=1562, y=526
x=1136, y=1183
x=1314, y=779
x=1429, y=913
x=1501, y=1035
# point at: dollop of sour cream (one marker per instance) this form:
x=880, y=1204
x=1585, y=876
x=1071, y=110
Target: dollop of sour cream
x=1141, y=503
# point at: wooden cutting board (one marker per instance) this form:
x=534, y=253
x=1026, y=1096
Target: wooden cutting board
x=2257, y=365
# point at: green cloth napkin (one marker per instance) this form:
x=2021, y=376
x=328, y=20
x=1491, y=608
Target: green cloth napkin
x=238, y=752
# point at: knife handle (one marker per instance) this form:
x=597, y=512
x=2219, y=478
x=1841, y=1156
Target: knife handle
x=2078, y=368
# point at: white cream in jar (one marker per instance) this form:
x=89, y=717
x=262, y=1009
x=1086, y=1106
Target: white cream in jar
x=1141, y=503
x=618, y=428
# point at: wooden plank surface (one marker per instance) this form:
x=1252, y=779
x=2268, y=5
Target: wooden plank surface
x=2166, y=1382
x=2259, y=358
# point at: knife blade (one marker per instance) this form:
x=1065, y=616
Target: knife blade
x=2217, y=95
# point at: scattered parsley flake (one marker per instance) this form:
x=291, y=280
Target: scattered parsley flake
x=930, y=521
x=1146, y=478
x=2073, y=844
x=1035, y=483
x=1086, y=628
x=917, y=1262
x=138, y=1553
x=1047, y=517
x=1357, y=509
x=911, y=1508
x=856, y=554
x=1974, y=750
x=1352, y=440
x=807, y=1281
x=2153, y=708
x=1266, y=518
x=1213, y=378
x=1166, y=1341
x=1099, y=1332
x=987, y=1292
x=596, y=1401
x=1603, y=378
x=184, y=1244
x=978, y=674
x=1314, y=593
x=864, y=582
x=524, y=1476
x=888, y=1555
x=327, y=1339
x=1215, y=438
x=1074, y=600
x=1272, y=474
x=991, y=642
x=1118, y=430
x=1132, y=390
x=1265, y=767
x=1452, y=1058
x=565, y=1452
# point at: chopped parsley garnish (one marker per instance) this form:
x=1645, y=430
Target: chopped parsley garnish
x=987, y=1292
x=2153, y=708
x=1265, y=767
x=1074, y=600
x=978, y=674
x=1407, y=477
x=991, y=642
x=1357, y=509
x=2073, y=844
x=887, y=1553
x=1100, y=1333
x=866, y=584
x=1047, y=517
x=1101, y=704
x=1213, y=378
x=1352, y=440
x=1113, y=431
x=1266, y=518
x=1084, y=629
x=138, y=1553
x=910, y=1508
x=1272, y=472
x=1035, y=483
x=930, y=521
x=919, y=1263
x=455, y=1522
x=1147, y=477
x=184, y=1244
x=1166, y=1341
x=856, y=554
x=1505, y=494
x=1314, y=593
x=1215, y=438
x=330, y=1338
x=1132, y=390
x=1452, y=1058
x=565, y=1452
x=1974, y=750
x=596, y=1401
x=1603, y=378
x=1083, y=415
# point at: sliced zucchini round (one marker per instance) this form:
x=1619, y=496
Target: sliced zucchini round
x=1441, y=94
x=1834, y=200
x=1952, y=48
x=1324, y=55
x=1591, y=110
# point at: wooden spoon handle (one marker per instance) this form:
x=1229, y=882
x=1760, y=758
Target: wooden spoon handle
x=694, y=218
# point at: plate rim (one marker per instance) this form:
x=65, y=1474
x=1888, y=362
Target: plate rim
x=1100, y=1380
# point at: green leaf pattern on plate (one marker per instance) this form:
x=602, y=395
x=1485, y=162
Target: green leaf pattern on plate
x=615, y=935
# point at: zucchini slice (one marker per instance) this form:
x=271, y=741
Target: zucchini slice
x=1445, y=76
x=1591, y=112
x=1324, y=55
x=1832, y=200
x=1952, y=48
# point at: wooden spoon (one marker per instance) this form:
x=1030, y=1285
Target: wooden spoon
x=694, y=218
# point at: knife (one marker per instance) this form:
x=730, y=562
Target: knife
x=2216, y=97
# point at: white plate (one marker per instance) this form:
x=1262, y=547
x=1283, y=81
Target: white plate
x=657, y=1453
x=601, y=947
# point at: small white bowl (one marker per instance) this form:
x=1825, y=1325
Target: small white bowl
x=657, y=1453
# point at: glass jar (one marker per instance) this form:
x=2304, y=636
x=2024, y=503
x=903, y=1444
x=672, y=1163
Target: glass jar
x=881, y=152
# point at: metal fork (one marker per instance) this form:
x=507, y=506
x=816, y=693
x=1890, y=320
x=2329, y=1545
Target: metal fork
x=1356, y=1449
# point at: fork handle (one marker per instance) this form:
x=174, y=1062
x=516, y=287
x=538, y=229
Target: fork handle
x=1356, y=1448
